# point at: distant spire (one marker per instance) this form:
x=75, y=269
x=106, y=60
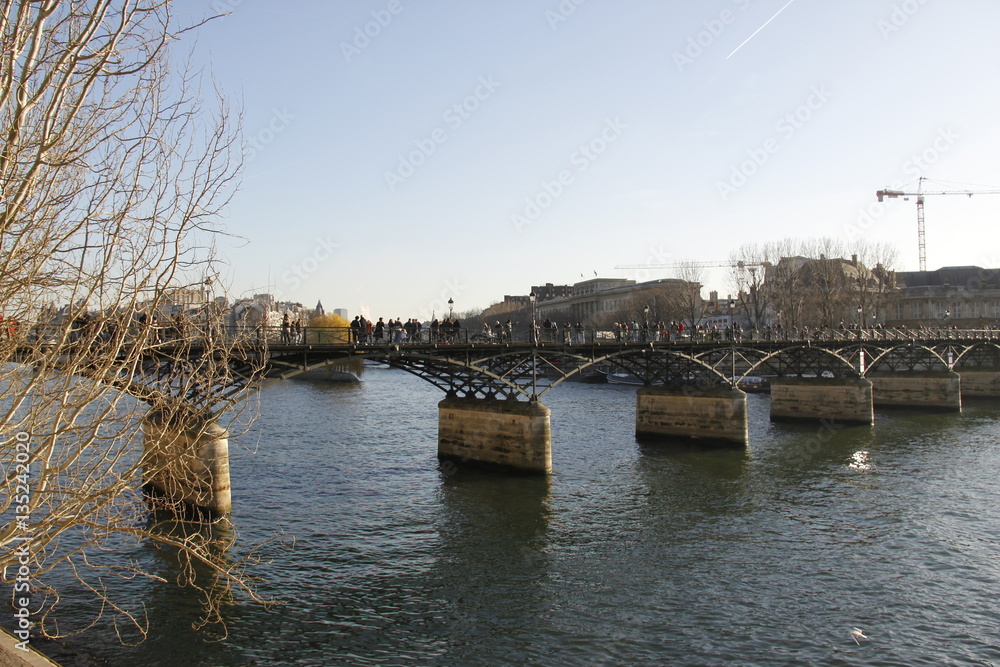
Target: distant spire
x=319, y=309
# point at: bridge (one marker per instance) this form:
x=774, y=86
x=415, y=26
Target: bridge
x=492, y=414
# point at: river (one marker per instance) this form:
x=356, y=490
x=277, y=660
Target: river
x=630, y=553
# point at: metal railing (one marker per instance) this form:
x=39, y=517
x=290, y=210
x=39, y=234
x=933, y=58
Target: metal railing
x=154, y=335
x=579, y=335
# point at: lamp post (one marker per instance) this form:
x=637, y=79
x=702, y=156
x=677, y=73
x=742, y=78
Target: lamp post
x=861, y=347
x=534, y=357
x=532, y=338
x=451, y=308
x=645, y=319
x=732, y=343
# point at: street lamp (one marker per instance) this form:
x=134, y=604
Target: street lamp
x=534, y=356
x=532, y=297
x=451, y=309
x=645, y=319
x=732, y=343
x=861, y=347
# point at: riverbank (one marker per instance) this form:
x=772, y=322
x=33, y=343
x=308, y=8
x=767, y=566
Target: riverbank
x=11, y=656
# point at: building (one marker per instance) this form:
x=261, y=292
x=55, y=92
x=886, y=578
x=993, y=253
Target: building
x=183, y=301
x=823, y=292
x=967, y=297
x=601, y=301
x=548, y=291
x=263, y=310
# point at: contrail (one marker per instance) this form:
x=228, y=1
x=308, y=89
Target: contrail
x=759, y=29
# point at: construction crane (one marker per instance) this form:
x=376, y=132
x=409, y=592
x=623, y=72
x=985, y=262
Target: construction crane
x=696, y=265
x=920, y=194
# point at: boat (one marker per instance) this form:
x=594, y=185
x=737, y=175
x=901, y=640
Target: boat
x=621, y=377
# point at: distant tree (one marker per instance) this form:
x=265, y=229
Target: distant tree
x=328, y=328
x=873, y=289
x=748, y=267
x=685, y=297
x=819, y=282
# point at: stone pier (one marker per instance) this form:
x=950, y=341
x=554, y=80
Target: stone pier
x=980, y=384
x=847, y=400
x=506, y=435
x=712, y=415
x=186, y=463
x=936, y=390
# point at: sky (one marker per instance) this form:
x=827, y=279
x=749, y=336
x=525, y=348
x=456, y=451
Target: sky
x=400, y=153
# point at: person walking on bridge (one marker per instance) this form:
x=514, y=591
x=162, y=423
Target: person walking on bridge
x=356, y=329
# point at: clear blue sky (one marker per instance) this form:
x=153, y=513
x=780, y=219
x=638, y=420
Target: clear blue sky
x=470, y=149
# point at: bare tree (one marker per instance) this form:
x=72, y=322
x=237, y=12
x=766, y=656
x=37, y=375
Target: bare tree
x=685, y=296
x=112, y=176
x=749, y=266
x=874, y=287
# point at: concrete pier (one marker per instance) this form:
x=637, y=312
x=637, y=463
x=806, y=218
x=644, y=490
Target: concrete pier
x=507, y=435
x=712, y=415
x=980, y=384
x=936, y=390
x=847, y=400
x=186, y=463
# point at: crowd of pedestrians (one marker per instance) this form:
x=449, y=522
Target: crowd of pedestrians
x=396, y=332
x=292, y=333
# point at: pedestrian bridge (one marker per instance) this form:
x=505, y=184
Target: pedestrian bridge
x=492, y=414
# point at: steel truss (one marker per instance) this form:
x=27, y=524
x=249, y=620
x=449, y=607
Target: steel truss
x=203, y=379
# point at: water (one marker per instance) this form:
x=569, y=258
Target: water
x=629, y=553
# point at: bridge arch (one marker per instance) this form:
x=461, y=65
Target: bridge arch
x=983, y=354
x=800, y=360
x=907, y=357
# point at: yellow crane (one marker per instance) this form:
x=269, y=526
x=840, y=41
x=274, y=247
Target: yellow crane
x=920, y=194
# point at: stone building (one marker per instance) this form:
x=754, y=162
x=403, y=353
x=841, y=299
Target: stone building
x=967, y=297
x=599, y=301
x=824, y=292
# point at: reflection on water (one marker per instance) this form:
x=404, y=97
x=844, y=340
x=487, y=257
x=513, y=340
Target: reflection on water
x=630, y=553
x=859, y=461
